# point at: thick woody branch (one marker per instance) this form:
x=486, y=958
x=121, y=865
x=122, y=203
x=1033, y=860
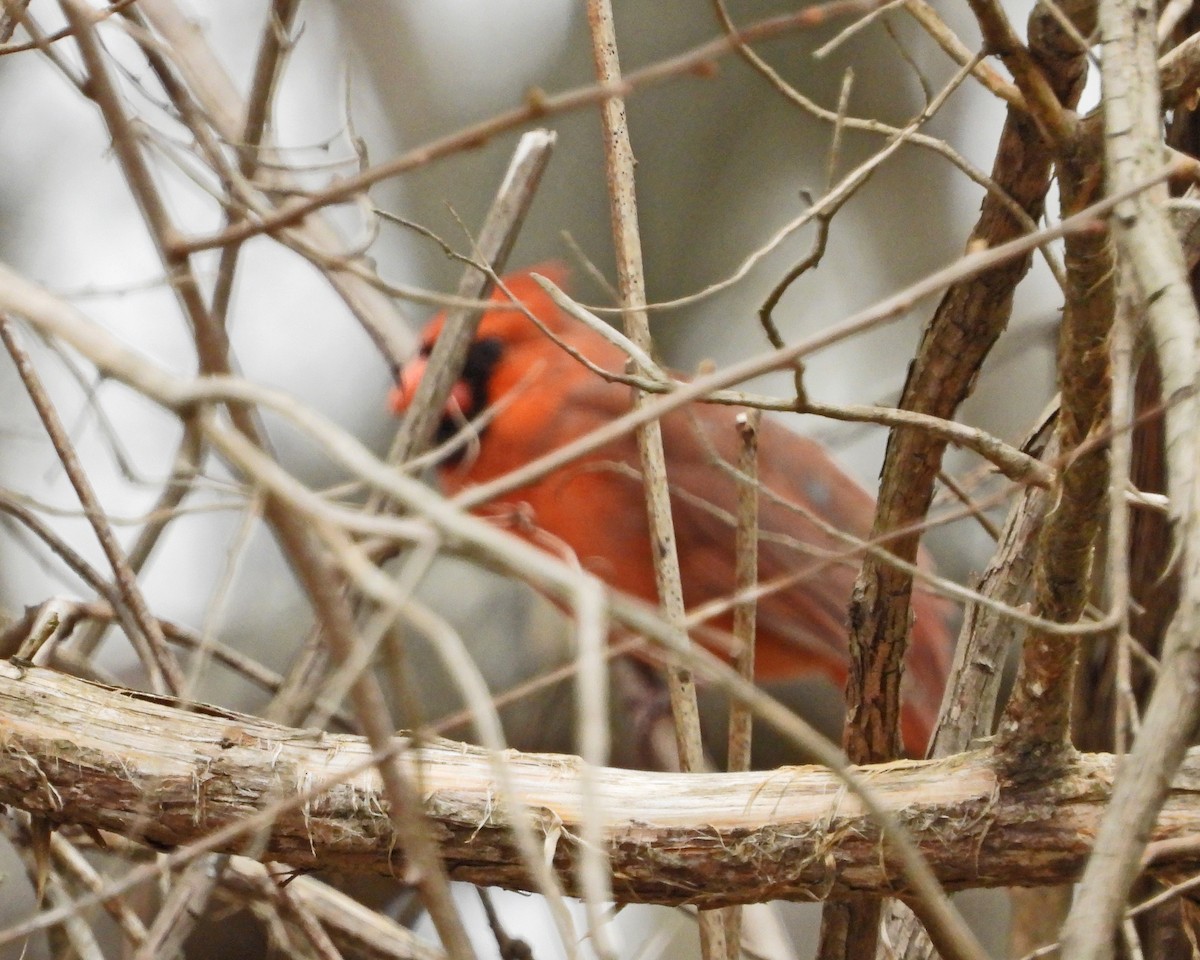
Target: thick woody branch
x=1038, y=715
x=165, y=776
x=968, y=321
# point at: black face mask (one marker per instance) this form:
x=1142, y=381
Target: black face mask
x=482, y=357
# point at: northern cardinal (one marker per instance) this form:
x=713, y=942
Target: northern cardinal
x=596, y=507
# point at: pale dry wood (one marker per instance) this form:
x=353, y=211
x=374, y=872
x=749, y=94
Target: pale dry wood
x=495, y=242
x=1154, y=278
x=357, y=929
x=153, y=772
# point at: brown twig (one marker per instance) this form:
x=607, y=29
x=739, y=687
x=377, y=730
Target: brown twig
x=1043, y=95
x=631, y=284
x=741, y=720
x=267, y=70
x=313, y=569
x=538, y=107
x=143, y=629
x=944, y=37
x=71, y=863
x=43, y=41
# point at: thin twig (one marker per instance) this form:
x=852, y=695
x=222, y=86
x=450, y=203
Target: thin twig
x=741, y=720
x=627, y=245
x=70, y=862
x=267, y=70
x=217, y=103
x=185, y=465
x=146, y=635
x=539, y=106
x=928, y=17
x=1116, y=574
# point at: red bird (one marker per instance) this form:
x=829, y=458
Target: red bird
x=596, y=507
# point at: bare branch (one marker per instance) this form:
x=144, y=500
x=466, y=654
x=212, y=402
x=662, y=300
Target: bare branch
x=164, y=671
x=81, y=753
x=1155, y=280
x=631, y=284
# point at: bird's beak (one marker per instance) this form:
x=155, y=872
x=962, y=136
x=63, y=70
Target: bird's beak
x=459, y=402
x=407, y=379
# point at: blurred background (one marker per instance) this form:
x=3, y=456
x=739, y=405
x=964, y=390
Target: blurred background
x=724, y=161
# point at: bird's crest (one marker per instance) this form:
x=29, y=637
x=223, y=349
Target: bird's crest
x=509, y=323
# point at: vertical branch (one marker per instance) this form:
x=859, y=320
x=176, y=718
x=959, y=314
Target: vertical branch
x=618, y=153
x=280, y=17
x=968, y=321
x=965, y=326
x=593, y=738
x=973, y=688
x=1153, y=278
x=745, y=580
x=1117, y=578
x=1038, y=717
x=741, y=719
x=631, y=284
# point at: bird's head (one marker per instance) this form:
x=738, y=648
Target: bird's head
x=503, y=328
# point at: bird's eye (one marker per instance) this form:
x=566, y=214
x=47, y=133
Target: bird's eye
x=426, y=350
